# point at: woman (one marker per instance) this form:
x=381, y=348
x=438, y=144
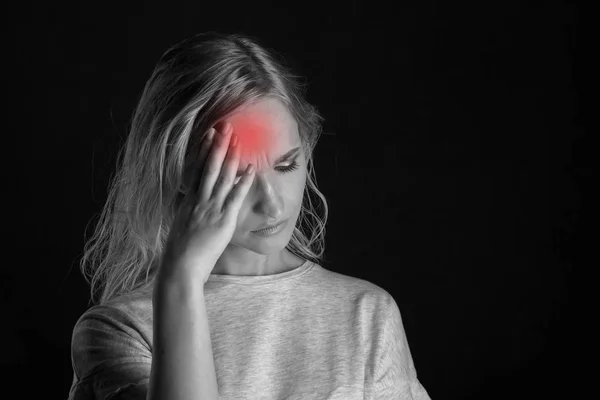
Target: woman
x=199, y=298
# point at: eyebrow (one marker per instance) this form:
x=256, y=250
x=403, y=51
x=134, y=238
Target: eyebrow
x=287, y=155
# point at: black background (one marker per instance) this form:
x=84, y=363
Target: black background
x=454, y=162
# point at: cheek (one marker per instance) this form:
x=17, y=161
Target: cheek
x=296, y=191
x=303, y=177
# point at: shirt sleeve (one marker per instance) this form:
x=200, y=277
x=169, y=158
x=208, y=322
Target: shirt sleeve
x=395, y=375
x=110, y=359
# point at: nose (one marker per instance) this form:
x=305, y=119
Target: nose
x=268, y=200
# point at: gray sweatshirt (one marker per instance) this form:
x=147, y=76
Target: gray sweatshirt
x=308, y=333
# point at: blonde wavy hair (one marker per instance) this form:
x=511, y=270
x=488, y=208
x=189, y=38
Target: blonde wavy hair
x=195, y=84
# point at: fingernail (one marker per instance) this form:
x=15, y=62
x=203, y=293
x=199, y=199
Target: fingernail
x=211, y=134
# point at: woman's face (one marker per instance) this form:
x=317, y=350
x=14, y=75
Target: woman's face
x=269, y=139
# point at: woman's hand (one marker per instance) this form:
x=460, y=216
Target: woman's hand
x=207, y=217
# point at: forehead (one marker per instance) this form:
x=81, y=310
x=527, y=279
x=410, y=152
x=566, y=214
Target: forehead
x=265, y=126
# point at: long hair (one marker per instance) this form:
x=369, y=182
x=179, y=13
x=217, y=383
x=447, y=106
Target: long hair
x=195, y=84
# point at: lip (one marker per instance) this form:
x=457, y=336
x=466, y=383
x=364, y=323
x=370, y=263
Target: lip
x=270, y=226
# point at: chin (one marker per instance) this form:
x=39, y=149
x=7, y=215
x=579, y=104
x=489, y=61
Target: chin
x=267, y=245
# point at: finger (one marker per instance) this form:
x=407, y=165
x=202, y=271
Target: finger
x=214, y=162
x=233, y=202
x=201, y=160
x=228, y=172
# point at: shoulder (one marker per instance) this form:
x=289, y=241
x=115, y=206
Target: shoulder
x=129, y=316
x=110, y=351
x=110, y=334
x=363, y=293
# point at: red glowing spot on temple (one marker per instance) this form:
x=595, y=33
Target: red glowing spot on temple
x=253, y=133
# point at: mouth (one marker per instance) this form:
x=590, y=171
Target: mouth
x=269, y=227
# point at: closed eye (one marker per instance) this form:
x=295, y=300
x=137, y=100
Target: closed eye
x=289, y=168
x=284, y=170
x=293, y=166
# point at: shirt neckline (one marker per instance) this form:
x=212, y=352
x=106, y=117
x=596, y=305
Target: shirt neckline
x=260, y=279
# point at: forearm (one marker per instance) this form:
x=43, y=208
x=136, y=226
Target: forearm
x=182, y=359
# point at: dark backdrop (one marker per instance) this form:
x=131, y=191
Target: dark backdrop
x=454, y=163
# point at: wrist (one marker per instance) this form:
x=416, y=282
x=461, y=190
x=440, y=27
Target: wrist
x=178, y=280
